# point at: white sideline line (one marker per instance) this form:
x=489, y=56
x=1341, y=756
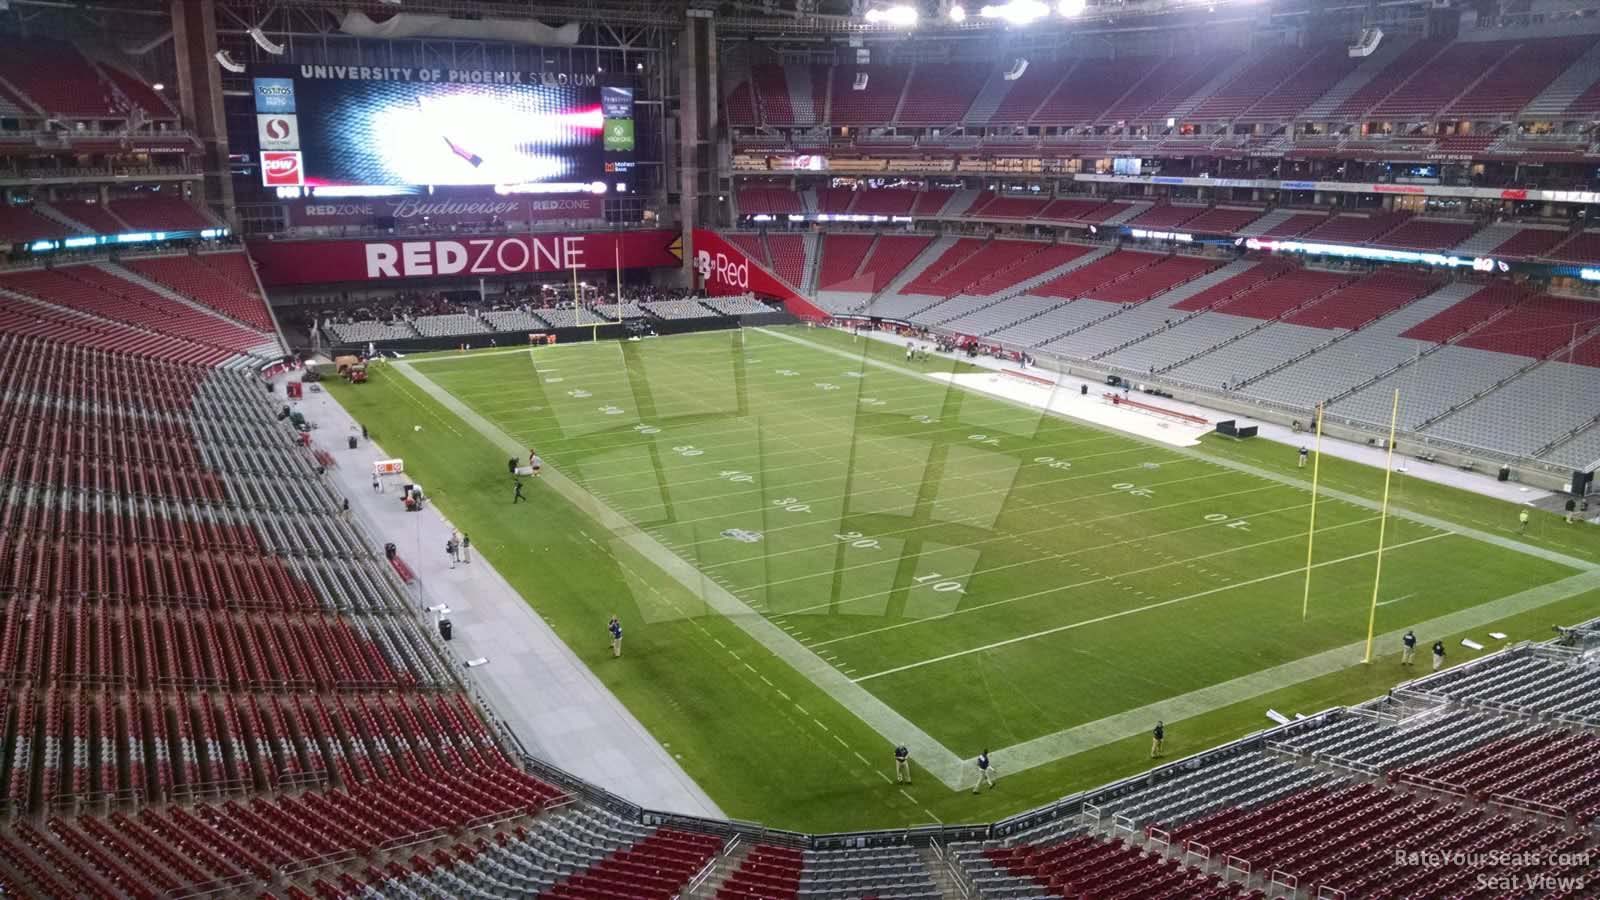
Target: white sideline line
x=1138, y=609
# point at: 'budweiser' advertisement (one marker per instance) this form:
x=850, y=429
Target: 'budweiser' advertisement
x=436, y=210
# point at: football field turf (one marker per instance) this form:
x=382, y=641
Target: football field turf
x=948, y=569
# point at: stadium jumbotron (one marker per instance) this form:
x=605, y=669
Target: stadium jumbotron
x=817, y=449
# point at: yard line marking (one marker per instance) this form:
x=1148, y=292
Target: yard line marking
x=822, y=726
x=1066, y=587
x=802, y=709
x=908, y=796
x=1128, y=612
x=1396, y=600
x=841, y=742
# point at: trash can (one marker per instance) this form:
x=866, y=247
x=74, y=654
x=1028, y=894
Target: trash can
x=1083, y=390
x=388, y=550
x=1505, y=474
x=445, y=629
x=352, y=442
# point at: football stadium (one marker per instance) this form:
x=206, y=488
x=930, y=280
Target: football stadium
x=775, y=449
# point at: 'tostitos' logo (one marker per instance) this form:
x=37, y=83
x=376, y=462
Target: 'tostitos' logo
x=722, y=270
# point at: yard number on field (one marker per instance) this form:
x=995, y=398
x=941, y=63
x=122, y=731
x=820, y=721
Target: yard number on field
x=944, y=587
x=736, y=476
x=984, y=439
x=1222, y=519
x=1133, y=489
x=1052, y=462
x=646, y=429
x=688, y=450
x=792, y=504
x=858, y=540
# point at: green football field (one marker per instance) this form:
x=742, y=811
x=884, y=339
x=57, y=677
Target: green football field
x=820, y=551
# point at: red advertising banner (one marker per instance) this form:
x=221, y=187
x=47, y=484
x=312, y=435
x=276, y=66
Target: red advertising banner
x=724, y=269
x=444, y=209
x=284, y=263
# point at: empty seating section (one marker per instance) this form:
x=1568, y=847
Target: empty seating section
x=1583, y=247
x=928, y=281
x=834, y=200
x=1002, y=207
x=1028, y=92
x=97, y=218
x=1355, y=229
x=1433, y=86
x=1527, y=679
x=756, y=201
x=787, y=253
x=1357, y=304
x=1529, y=243
x=1169, y=82
x=940, y=93
x=889, y=257
x=1084, y=866
x=1519, y=77
x=1288, y=97
x=773, y=92
x=1040, y=259
x=200, y=282
x=875, y=103
x=1471, y=312
x=1387, y=81
x=1157, y=278
x=985, y=269
x=765, y=873
x=1234, y=286
x=1074, y=210
x=1090, y=90
x=159, y=214
x=1534, y=410
x=752, y=245
x=886, y=202
x=842, y=255
x=1270, y=70
x=930, y=203
x=1084, y=281
x=1165, y=216
x=1349, y=839
x=98, y=292
x=1554, y=768
x=1428, y=234
x=740, y=101
x=37, y=319
x=1539, y=327
x=1294, y=225
x=20, y=224
x=54, y=75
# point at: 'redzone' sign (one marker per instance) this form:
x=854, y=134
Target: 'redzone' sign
x=446, y=211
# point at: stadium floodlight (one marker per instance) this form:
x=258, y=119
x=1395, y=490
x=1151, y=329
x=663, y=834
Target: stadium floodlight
x=262, y=41
x=896, y=16
x=958, y=13
x=1071, y=8
x=227, y=62
x=1016, y=12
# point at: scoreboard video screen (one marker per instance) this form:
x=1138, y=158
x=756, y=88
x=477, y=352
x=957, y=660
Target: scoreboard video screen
x=322, y=126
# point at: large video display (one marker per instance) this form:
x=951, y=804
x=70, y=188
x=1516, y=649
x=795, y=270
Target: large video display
x=372, y=126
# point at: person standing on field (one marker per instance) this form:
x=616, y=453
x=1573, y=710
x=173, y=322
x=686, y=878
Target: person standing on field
x=1522, y=522
x=466, y=548
x=615, y=627
x=1410, y=652
x=517, y=497
x=1158, y=739
x=1304, y=453
x=985, y=772
x=1438, y=655
x=902, y=765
